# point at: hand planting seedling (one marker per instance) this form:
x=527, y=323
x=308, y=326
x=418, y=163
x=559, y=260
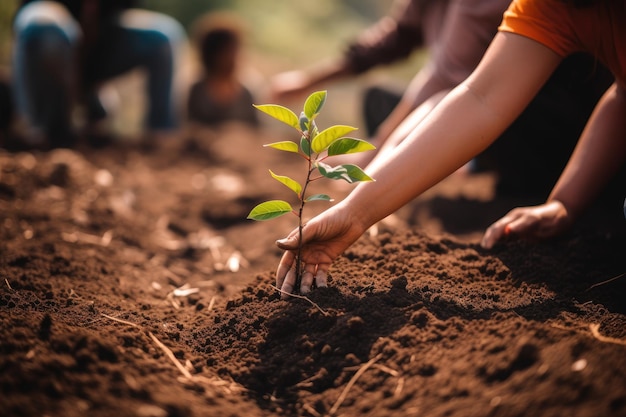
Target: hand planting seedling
x=315, y=146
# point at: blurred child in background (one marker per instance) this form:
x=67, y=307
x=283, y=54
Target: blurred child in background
x=219, y=96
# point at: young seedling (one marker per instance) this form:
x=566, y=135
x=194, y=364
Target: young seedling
x=315, y=146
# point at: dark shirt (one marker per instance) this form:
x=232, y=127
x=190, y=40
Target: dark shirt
x=393, y=37
x=456, y=34
x=204, y=109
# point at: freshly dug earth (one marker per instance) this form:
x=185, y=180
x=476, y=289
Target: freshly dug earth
x=132, y=285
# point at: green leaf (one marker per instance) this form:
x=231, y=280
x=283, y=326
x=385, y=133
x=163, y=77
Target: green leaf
x=349, y=145
x=356, y=174
x=305, y=145
x=347, y=172
x=327, y=136
x=280, y=113
x=291, y=184
x=314, y=103
x=334, y=173
x=304, y=122
x=285, y=145
x=324, y=197
x=270, y=210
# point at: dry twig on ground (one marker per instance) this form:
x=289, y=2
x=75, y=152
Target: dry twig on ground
x=352, y=381
x=187, y=376
x=595, y=331
x=606, y=281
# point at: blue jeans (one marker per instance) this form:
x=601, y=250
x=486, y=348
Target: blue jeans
x=48, y=81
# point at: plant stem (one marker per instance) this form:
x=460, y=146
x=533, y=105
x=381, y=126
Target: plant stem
x=299, y=253
x=300, y=226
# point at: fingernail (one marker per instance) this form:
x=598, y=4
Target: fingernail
x=507, y=230
x=305, y=289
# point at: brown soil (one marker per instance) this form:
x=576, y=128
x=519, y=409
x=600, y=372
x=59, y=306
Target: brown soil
x=112, y=260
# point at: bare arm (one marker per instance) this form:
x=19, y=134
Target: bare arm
x=467, y=30
x=469, y=119
x=599, y=153
x=294, y=84
x=426, y=88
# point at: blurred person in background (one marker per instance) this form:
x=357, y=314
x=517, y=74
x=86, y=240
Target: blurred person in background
x=219, y=96
x=528, y=156
x=64, y=50
x=6, y=107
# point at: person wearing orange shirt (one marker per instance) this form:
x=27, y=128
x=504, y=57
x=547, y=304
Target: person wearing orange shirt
x=456, y=34
x=533, y=38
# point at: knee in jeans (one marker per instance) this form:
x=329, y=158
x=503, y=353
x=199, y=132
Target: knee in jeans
x=163, y=47
x=44, y=39
x=168, y=36
x=163, y=33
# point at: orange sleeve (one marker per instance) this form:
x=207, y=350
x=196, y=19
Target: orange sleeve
x=545, y=21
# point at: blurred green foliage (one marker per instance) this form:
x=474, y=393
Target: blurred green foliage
x=281, y=27
x=186, y=11
x=305, y=31
x=7, y=10
x=277, y=27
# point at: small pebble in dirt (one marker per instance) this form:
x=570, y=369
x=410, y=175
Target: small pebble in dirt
x=149, y=410
x=355, y=324
x=352, y=359
x=579, y=365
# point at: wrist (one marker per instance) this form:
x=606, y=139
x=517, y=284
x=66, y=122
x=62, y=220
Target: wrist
x=360, y=215
x=565, y=208
x=563, y=215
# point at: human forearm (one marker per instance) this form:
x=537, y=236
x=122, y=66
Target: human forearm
x=425, y=91
x=465, y=122
x=599, y=154
x=327, y=72
x=291, y=84
x=457, y=130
